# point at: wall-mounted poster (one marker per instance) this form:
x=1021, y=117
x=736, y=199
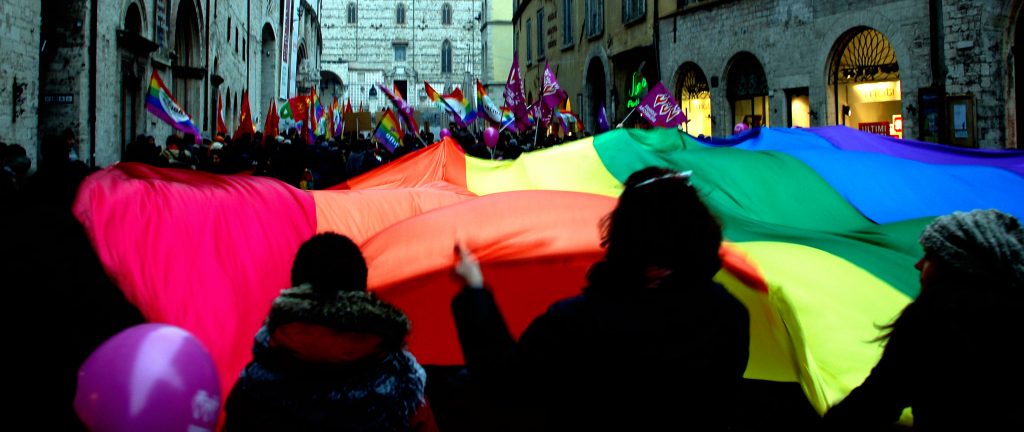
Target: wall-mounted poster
x=960, y=109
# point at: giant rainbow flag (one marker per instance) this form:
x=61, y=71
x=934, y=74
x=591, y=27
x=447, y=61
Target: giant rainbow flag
x=821, y=227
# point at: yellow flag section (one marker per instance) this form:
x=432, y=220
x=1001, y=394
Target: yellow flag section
x=574, y=166
x=820, y=317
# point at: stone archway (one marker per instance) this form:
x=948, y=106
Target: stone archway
x=864, y=79
x=747, y=90
x=596, y=86
x=302, y=85
x=694, y=98
x=132, y=70
x=268, y=69
x=188, y=60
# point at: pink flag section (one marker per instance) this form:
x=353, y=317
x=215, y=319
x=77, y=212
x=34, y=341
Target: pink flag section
x=660, y=108
x=552, y=94
x=220, y=289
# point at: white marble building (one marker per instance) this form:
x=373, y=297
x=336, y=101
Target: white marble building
x=400, y=43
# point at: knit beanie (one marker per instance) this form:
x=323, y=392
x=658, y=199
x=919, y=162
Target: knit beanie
x=985, y=242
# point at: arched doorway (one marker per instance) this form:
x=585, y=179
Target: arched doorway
x=188, y=49
x=595, y=89
x=864, y=78
x=747, y=90
x=268, y=69
x=301, y=83
x=694, y=98
x=133, y=19
x=132, y=69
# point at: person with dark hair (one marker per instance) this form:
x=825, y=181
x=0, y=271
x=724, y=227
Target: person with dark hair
x=652, y=343
x=951, y=353
x=331, y=355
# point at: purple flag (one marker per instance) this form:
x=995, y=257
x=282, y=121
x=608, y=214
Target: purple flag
x=552, y=94
x=602, y=121
x=660, y=108
x=401, y=107
x=515, y=97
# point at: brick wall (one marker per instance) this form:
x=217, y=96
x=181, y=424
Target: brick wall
x=977, y=58
x=794, y=41
x=19, y=74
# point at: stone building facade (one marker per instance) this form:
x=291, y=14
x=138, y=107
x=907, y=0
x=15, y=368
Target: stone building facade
x=596, y=48
x=498, y=48
x=19, y=73
x=942, y=71
x=402, y=44
x=95, y=58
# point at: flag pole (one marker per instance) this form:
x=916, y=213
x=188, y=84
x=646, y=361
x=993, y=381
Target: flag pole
x=626, y=117
x=536, y=131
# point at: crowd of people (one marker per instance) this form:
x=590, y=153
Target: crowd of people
x=324, y=162
x=651, y=343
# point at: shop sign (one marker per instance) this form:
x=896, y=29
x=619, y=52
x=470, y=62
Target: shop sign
x=885, y=91
x=637, y=90
x=59, y=99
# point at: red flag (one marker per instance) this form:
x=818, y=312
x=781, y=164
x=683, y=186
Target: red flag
x=660, y=108
x=329, y=119
x=270, y=126
x=299, y=106
x=222, y=128
x=312, y=120
x=245, y=126
x=348, y=106
x=360, y=106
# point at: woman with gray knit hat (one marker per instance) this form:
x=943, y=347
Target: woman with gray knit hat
x=950, y=355
x=330, y=356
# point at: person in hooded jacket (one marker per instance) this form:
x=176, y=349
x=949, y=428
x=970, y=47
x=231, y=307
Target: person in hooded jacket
x=330, y=356
x=652, y=343
x=951, y=355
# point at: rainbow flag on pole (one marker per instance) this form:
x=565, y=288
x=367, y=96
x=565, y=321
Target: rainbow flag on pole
x=160, y=103
x=389, y=131
x=454, y=102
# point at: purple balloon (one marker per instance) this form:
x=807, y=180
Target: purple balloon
x=445, y=133
x=490, y=137
x=151, y=377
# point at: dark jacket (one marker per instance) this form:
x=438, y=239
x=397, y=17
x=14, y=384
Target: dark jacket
x=333, y=365
x=955, y=364
x=617, y=357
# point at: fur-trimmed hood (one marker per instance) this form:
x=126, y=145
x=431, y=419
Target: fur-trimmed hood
x=329, y=362
x=344, y=311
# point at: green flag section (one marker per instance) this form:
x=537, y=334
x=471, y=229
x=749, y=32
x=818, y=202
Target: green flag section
x=821, y=228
